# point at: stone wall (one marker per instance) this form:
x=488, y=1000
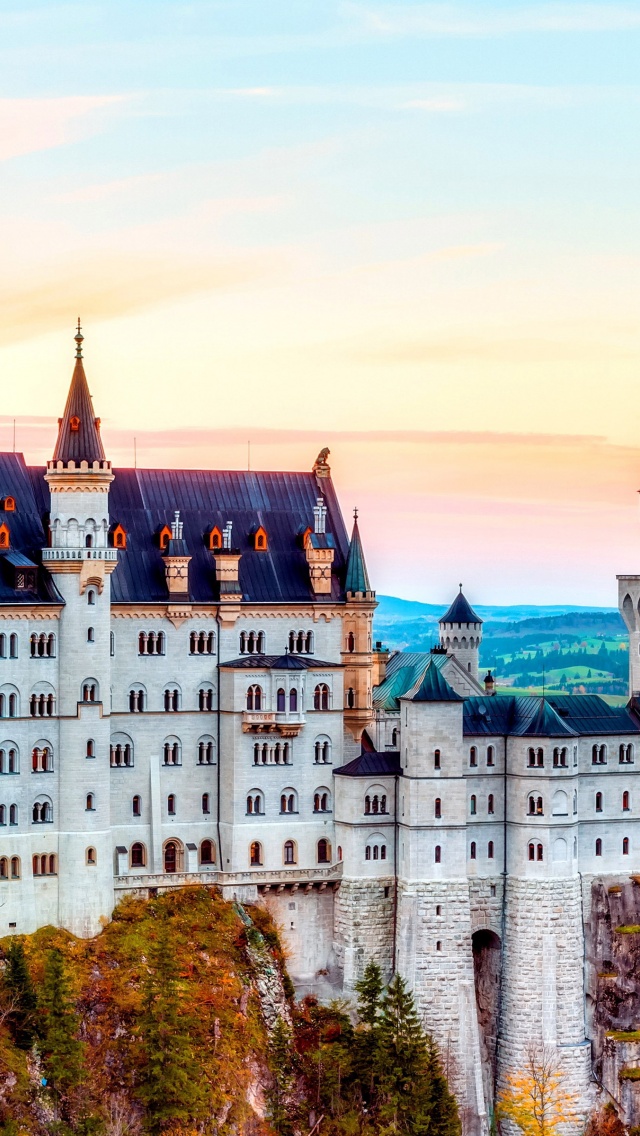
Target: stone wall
x=363, y=928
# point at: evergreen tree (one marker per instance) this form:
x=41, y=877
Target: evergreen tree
x=411, y=1096
x=21, y=996
x=62, y=1052
x=369, y=991
x=168, y=1089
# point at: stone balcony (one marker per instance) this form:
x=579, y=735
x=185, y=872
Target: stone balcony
x=53, y=554
x=244, y=885
x=267, y=722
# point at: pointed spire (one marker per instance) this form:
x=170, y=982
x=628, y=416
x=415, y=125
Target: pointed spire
x=357, y=578
x=79, y=430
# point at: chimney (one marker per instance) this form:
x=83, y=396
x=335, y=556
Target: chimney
x=380, y=660
x=176, y=562
x=489, y=684
x=227, y=562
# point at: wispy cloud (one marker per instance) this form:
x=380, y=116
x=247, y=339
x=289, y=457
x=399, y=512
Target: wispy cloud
x=482, y=20
x=27, y=125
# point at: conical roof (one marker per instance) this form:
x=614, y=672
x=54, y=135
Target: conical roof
x=78, y=434
x=357, y=578
x=434, y=688
x=460, y=611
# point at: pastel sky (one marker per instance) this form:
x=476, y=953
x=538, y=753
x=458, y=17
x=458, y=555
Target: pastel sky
x=409, y=232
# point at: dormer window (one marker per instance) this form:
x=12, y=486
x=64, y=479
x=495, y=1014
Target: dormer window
x=5, y=539
x=119, y=537
x=164, y=536
x=8, y=504
x=260, y=540
x=74, y=424
x=215, y=538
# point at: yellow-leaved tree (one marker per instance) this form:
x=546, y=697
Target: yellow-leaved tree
x=536, y=1098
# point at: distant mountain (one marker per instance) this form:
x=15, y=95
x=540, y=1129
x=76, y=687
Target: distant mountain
x=391, y=610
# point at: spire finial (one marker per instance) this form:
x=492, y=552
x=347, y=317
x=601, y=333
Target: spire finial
x=79, y=337
x=355, y=514
x=460, y=586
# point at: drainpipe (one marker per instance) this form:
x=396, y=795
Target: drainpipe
x=503, y=919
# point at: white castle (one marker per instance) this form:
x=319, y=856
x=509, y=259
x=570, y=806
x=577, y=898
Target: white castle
x=189, y=693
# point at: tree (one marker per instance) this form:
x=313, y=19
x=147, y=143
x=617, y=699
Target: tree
x=410, y=1084
x=369, y=991
x=62, y=1052
x=535, y=1098
x=605, y=1122
x=21, y=996
x=167, y=1088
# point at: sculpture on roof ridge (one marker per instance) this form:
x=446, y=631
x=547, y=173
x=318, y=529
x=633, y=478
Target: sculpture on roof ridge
x=321, y=466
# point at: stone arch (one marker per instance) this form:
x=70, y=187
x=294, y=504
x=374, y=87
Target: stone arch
x=559, y=850
x=628, y=612
x=560, y=803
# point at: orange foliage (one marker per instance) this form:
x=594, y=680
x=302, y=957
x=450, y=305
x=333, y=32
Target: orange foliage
x=536, y=1099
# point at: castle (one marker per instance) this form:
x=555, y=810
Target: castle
x=190, y=693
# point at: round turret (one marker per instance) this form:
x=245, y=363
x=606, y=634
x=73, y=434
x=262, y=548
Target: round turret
x=461, y=633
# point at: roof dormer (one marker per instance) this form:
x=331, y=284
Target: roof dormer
x=163, y=537
x=260, y=539
x=118, y=536
x=8, y=504
x=214, y=538
x=5, y=535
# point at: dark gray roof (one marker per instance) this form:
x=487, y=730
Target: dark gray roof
x=143, y=500
x=434, y=688
x=558, y=716
x=357, y=579
x=26, y=532
x=278, y=663
x=460, y=611
x=371, y=765
x=82, y=443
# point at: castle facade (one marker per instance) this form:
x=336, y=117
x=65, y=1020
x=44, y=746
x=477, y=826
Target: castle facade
x=190, y=693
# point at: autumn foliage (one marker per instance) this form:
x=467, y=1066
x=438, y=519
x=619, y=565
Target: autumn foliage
x=536, y=1098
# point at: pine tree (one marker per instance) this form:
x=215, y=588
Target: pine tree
x=62, y=1052
x=168, y=1089
x=21, y=996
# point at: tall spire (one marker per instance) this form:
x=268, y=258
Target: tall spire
x=357, y=578
x=79, y=430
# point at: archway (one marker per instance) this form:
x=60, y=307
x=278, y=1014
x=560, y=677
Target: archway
x=487, y=962
x=172, y=856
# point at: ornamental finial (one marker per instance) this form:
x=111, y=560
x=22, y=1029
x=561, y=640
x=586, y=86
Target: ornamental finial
x=79, y=337
x=460, y=586
x=355, y=515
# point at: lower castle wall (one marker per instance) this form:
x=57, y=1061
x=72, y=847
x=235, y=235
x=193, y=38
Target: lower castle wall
x=363, y=928
x=305, y=922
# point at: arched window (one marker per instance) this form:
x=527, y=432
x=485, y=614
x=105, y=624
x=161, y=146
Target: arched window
x=4, y=868
x=172, y=752
x=13, y=814
x=473, y=756
x=321, y=697
x=321, y=801
x=205, y=803
x=490, y=850
x=171, y=699
x=532, y=852
x=171, y=804
x=625, y=846
x=15, y=868
x=531, y=757
x=490, y=804
x=598, y=847
x=137, y=806
x=172, y=856
x=90, y=691
x=438, y=808
x=324, y=851
x=138, y=855
x=491, y=754
x=626, y=801
x=532, y=806
x=281, y=701
x=90, y=856
x=598, y=802
x=91, y=748
x=42, y=811
x=293, y=700
x=351, y=642
x=9, y=758
x=91, y=635
x=472, y=850
x=207, y=852
x=539, y=852
x=575, y=801
x=394, y=737
x=255, y=854
x=3, y=815
x=3, y=646
x=437, y=854
x=367, y=805
x=90, y=805
x=137, y=700
x=255, y=803
x=436, y=759
x=351, y=698
x=121, y=751
x=254, y=698
x=206, y=751
x=91, y=597
x=322, y=750
x=112, y=644
x=205, y=698
x=472, y=804
x=289, y=852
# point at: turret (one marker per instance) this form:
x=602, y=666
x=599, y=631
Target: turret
x=461, y=633
x=357, y=654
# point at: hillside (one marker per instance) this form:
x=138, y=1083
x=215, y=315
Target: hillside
x=179, y=1020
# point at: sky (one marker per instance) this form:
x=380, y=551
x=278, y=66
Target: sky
x=409, y=232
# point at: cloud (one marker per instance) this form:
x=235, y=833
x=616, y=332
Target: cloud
x=460, y=348
x=459, y=20
x=105, y=287
x=27, y=125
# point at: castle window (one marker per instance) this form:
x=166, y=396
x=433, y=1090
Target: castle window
x=472, y=850
x=42, y=812
x=91, y=748
x=88, y=541
x=205, y=804
x=436, y=759
x=394, y=738
x=138, y=855
x=288, y=803
x=626, y=754
x=625, y=846
x=207, y=852
x=254, y=698
x=575, y=802
x=322, y=801
x=4, y=868
x=137, y=700
x=598, y=802
x=532, y=851
x=437, y=854
x=15, y=868
x=74, y=424
x=121, y=753
x=340, y=860
x=171, y=699
x=3, y=815
x=136, y=806
x=9, y=762
x=491, y=755
x=3, y=646
x=215, y=538
x=90, y=805
x=41, y=759
x=255, y=854
x=540, y=852
x=172, y=752
x=560, y=757
x=289, y=852
x=90, y=856
x=472, y=805
x=151, y=643
x=13, y=646
x=42, y=646
x=598, y=847
x=540, y=758
x=255, y=804
x=599, y=755
x=13, y=814
x=171, y=804
x=202, y=643
x=490, y=804
x=321, y=697
x=206, y=751
x=40, y=705
x=91, y=635
x=293, y=700
x=531, y=757
x=351, y=698
x=438, y=808
x=351, y=642
x=473, y=756
x=205, y=698
x=112, y=644
x=490, y=850
x=91, y=597
x=438, y=945
x=90, y=692
x=324, y=852
x=44, y=865
x=367, y=805
x=322, y=750
x=625, y=801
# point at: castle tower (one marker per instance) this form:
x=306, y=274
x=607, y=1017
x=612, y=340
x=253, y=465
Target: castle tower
x=461, y=633
x=80, y=560
x=357, y=647
x=629, y=607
